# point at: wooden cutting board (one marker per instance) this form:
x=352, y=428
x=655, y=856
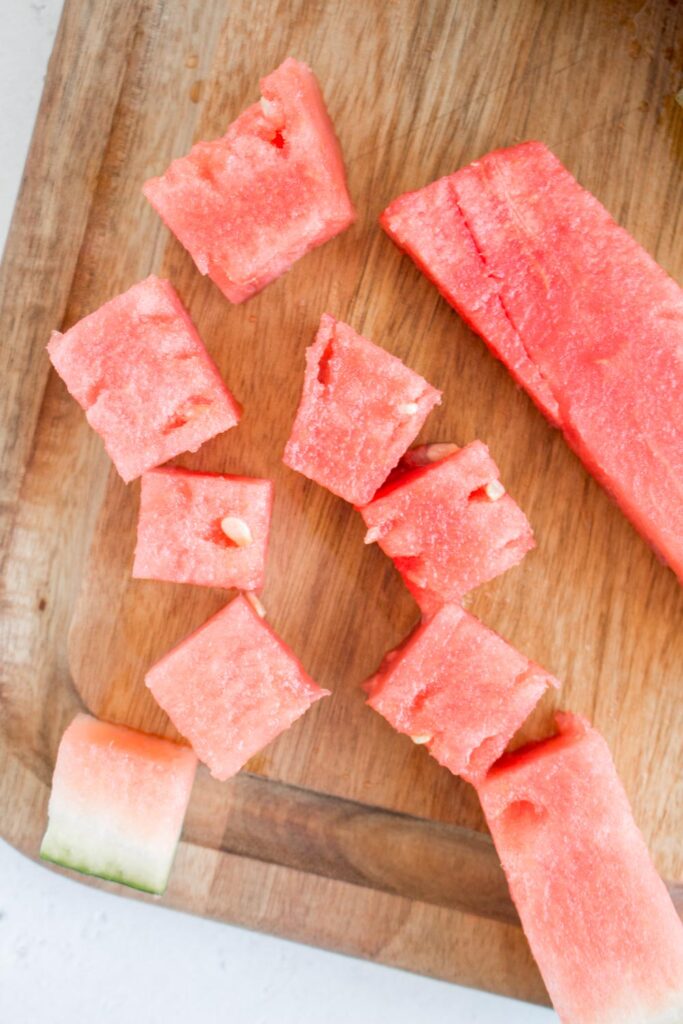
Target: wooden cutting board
x=341, y=833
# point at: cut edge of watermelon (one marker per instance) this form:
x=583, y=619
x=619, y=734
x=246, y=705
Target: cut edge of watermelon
x=390, y=221
x=93, y=831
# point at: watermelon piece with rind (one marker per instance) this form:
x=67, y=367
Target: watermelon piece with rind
x=458, y=688
x=247, y=205
x=600, y=922
x=209, y=529
x=117, y=804
x=231, y=687
x=144, y=378
x=360, y=408
x=448, y=523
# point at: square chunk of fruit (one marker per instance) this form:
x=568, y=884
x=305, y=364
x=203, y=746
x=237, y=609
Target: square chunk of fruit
x=448, y=524
x=248, y=205
x=231, y=687
x=598, y=917
x=460, y=689
x=203, y=528
x=360, y=409
x=147, y=384
x=117, y=804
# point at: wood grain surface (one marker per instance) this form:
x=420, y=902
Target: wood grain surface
x=342, y=834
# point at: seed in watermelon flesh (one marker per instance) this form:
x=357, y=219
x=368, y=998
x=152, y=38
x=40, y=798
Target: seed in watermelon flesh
x=448, y=524
x=351, y=427
x=117, y=804
x=147, y=384
x=203, y=528
x=599, y=920
x=231, y=687
x=248, y=205
x=580, y=314
x=458, y=688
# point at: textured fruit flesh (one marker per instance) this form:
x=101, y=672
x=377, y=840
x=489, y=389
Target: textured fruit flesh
x=180, y=533
x=147, y=384
x=460, y=689
x=360, y=409
x=444, y=530
x=248, y=205
x=117, y=804
x=231, y=687
x=600, y=322
x=429, y=225
x=600, y=922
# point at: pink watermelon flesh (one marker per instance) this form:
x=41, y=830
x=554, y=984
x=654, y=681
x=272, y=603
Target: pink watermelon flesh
x=599, y=320
x=448, y=525
x=459, y=688
x=429, y=225
x=248, y=205
x=117, y=804
x=598, y=918
x=182, y=528
x=147, y=384
x=232, y=687
x=360, y=409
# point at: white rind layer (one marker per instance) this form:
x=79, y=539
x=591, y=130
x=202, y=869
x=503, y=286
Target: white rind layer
x=673, y=1014
x=95, y=847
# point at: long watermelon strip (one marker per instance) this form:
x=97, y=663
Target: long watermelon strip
x=580, y=314
x=600, y=922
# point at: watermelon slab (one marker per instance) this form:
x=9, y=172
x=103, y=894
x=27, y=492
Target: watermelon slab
x=117, y=804
x=600, y=922
x=360, y=409
x=203, y=528
x=582, y=316
x=147, y=384
x=448, y=524
x=458, y=688
x=248, y=205
x=231, y=687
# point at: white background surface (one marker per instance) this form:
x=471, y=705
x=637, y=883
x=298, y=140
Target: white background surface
x=67, y=951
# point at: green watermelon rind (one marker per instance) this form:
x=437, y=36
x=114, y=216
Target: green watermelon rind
x=57, y=854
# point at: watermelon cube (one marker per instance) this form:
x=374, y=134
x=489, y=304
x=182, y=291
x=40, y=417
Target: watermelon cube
x=246, y=206
x=147, y=384
x=599, y=919
x=360, y=409
x=448, y=524
x=582, y=316
x=203, y=528
x=117, y=804
x=460, y=689
x=231, y=687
